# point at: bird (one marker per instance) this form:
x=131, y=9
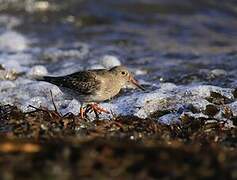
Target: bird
x=94, y=86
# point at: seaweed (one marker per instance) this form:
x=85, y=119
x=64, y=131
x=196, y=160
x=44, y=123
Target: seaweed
x=43, y=144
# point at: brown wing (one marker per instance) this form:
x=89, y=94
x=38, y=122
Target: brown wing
x=82, y=82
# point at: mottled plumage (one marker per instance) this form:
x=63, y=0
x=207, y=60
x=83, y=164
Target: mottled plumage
x=84, y=82
x=94, y=85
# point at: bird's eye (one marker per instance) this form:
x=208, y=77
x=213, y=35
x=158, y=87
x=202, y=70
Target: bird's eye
x=123, y=73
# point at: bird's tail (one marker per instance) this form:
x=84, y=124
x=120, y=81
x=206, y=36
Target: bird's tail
x=53, y=80
x=46, y=78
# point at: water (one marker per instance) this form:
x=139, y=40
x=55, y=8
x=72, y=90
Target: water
x=190, y=44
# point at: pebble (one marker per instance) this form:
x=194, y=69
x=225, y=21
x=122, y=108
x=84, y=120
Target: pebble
x=8, y=75
x=37, y=71
x=218, y=72
x=109, y=61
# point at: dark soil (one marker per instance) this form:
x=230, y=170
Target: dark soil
x=44, y=145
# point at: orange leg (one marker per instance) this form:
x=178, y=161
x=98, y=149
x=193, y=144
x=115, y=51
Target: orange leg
x=82, y=112
x=96, y=108
x=99, y=109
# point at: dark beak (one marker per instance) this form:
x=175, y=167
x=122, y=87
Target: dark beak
x=135, y=82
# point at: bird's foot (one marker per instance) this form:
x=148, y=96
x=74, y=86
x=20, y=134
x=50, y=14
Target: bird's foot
x=82, y=113
x=96, y=109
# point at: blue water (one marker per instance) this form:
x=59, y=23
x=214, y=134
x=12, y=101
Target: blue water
x=176, y=41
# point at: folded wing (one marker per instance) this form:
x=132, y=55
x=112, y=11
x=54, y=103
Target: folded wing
x=82, y=82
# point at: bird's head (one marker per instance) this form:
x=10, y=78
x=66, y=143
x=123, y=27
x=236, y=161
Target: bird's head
x=125, y=77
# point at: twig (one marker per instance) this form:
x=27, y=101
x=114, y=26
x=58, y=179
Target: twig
x=54, y=105
x=36, y=109
x=50, y=113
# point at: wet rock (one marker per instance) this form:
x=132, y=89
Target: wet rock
x=211, y=110
x=189, y=116
x=186, y=118
x=6, y=85
x=1, y=67
x=172, y=118
x=234, y=120
x=218, y=72
x=188, y=108
x=73, y=107
x=235, y=93
x=36, y=102
x=37, y=71
x=95, y=66
x=233, y=108
x=8, y=75
x=227, y=112
x=210, y=125
x=218, y=99
x=109, y=61
x=158, y=114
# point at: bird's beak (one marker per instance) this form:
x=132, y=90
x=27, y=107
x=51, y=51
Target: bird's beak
x=135, y=82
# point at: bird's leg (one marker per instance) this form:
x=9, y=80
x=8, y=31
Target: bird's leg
x=82, y=112
x=97, y=109
x=100, y=109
